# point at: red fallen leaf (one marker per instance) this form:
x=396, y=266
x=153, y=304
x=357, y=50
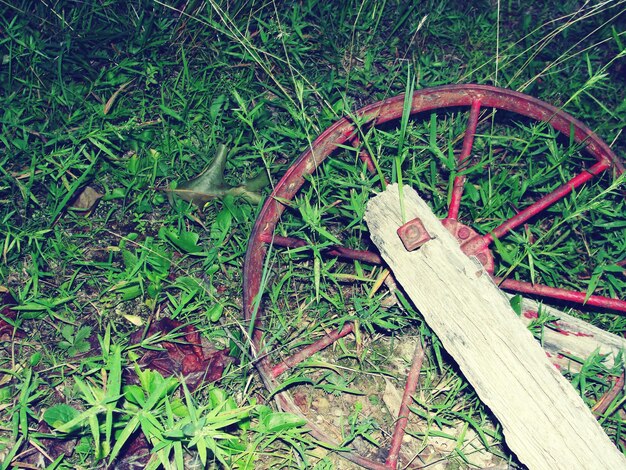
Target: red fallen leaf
x=134, y=454
x=47, y=450
x=7, y=313
x=301, y=400
x=190, y=355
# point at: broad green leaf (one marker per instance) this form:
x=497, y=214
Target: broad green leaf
x=83, y=333
x=58, y=415
x=178, y=408
x=218, y=398
x=134, y=394
x=516, y=304
x=215, y=312
x=183, y=240
x=67, y=332
x=34, y=361
x=279, y=421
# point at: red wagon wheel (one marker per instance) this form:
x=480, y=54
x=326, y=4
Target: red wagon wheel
x=558, y=153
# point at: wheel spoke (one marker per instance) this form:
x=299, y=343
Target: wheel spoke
x=333, y=250
x=546, y=201
x=403, y=413
x=561, y=294
x=468, y=142
x=311, y=349
x=364, y=155
x=508, y=284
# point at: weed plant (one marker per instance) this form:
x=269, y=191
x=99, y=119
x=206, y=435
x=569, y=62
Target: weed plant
x=134, y=99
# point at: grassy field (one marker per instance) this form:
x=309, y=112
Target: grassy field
x=138, y=142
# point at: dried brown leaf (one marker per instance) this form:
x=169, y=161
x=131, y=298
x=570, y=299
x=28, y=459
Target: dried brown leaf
x=86, y=200
x=111, y=101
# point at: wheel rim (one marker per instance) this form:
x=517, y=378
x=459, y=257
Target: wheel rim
x=475, y=97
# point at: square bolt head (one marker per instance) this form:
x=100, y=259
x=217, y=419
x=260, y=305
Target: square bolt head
x=413, y=234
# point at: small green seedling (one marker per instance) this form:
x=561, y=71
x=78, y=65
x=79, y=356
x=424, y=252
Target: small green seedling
x=75, y=340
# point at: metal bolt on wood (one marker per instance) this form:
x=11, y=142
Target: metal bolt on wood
x=413, y=234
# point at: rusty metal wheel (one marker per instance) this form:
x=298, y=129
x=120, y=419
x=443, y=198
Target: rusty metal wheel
x=561, y=159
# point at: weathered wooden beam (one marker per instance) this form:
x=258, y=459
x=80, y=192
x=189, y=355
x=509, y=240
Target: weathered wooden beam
x=570, y=336
x=544, y=421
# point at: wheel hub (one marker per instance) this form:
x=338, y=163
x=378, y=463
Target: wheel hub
x=472, y=243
